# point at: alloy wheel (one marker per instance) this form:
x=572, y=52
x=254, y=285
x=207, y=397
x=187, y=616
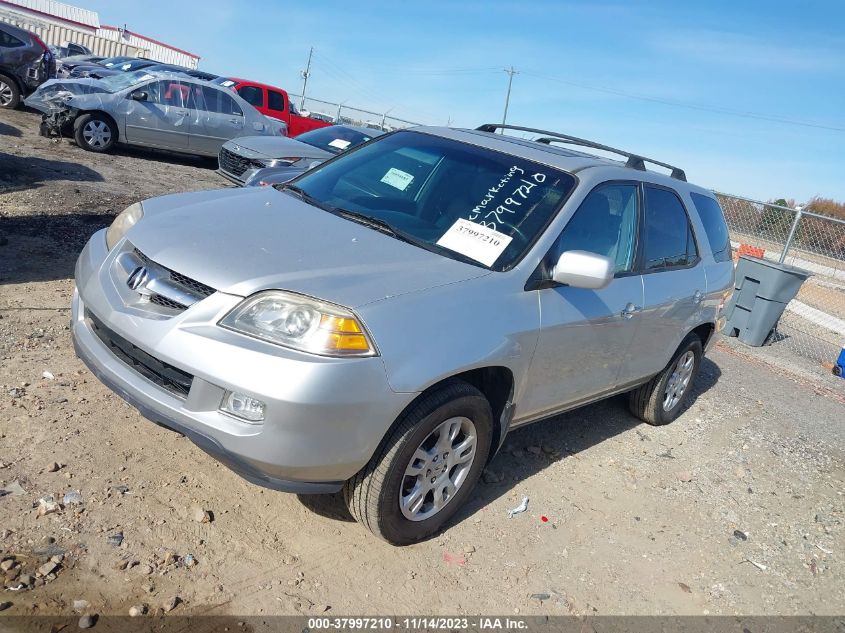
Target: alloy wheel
x=678, y=382
x=6, y=94
x=438, y=469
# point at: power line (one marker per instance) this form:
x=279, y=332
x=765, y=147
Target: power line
x=688, y=105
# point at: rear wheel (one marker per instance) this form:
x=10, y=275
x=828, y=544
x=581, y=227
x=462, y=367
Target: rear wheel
x=10, y=94
x=95, y=132
x=427, y=466
x=662, y=399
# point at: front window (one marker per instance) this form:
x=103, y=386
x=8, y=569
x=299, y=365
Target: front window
x=606, y=224
x=334, y=138
x=462, y=201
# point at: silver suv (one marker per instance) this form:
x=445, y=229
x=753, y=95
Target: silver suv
x=379, y=324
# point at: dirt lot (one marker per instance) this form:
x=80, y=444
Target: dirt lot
x=737, y=508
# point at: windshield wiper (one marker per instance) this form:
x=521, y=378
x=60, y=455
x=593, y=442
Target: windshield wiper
x=377, y=224
x=380, y=225
x=306, y=197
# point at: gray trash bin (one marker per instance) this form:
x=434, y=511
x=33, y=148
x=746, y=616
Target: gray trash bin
x=761, y=292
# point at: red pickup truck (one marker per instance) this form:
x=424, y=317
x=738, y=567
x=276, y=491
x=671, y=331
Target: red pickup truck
x=273, y=102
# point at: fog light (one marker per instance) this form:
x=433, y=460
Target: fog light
x=242, y=406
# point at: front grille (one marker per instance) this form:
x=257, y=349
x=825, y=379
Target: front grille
x=191, y=285
x=159, y=300
x=236, y=164
x=158, y=372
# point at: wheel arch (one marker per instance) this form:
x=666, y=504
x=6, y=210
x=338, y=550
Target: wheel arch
x=10, y=75
x=495, y=382
x=704, y=332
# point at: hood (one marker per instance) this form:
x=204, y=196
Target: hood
x=274, y=147
x=58, y=94
x=240, y=241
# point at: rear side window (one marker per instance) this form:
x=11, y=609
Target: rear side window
x=276, y=100
x=9, y=41
x=714, y=225
x=213, y=100
x=252, y=95
x=667, y=236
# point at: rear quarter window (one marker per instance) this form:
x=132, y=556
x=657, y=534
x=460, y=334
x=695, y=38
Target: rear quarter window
x=714, y=226
x=9, y=41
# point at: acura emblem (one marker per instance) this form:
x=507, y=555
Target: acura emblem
x=139, y=278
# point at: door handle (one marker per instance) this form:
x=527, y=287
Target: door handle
x=698, y=297
x=630, y=310
x=234, y=121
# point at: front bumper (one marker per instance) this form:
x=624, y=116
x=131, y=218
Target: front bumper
x=324, y=417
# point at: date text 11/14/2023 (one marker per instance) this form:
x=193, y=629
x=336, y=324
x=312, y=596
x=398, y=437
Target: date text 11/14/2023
x=416, y=623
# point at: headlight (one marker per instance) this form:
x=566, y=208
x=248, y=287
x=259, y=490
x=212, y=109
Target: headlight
x=122, y=223
x=300, y=322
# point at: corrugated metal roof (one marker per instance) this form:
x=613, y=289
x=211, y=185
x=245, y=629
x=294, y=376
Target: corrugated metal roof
x=59, y=10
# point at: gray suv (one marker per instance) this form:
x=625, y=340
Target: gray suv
x=379, y=324
x=25, y=63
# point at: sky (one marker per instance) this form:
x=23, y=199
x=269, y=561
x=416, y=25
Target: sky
x=747, y=97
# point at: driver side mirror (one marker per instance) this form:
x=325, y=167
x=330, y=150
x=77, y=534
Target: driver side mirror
x=582, y=269
x=139, y=95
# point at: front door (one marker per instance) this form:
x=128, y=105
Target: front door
x=586, y=335
x=163, y=119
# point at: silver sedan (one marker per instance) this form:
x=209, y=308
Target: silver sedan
x=163, y=110
x=249, y=160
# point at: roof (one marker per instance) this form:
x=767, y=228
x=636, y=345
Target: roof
x=563, y=158
x=53, y=9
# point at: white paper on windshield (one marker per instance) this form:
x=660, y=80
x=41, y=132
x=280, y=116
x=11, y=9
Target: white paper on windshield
x=477, y=241
x=339, y=143
x=397, y=178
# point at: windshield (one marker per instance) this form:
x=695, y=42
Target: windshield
x=463, y=201
x=116, y=83
x=334, y=138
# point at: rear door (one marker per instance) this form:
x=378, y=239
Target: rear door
x=674, y=283
x=163, y=119
x=585, y=335
x=218, y=119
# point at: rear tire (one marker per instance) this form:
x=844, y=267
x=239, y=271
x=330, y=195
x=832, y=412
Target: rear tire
x=10, y=94
x=95, y=132
x=663, y=398
x=414, y=484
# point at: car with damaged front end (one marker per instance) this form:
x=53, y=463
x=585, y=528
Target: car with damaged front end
x=162, y=110
x=380, y=323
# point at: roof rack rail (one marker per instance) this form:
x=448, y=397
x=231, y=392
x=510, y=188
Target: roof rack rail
x=635, y=161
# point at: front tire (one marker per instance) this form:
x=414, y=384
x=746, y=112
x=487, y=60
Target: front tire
x=10, y=94
x=662, y=399
x=427, y=466
x=95, y=132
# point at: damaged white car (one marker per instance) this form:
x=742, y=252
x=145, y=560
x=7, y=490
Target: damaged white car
x=163, y=110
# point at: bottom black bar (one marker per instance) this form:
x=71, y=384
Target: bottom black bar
x=326, y=622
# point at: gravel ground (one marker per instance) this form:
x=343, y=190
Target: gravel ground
x=737, y=508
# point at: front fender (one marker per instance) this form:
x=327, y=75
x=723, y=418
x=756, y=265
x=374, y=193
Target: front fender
x=429, y=336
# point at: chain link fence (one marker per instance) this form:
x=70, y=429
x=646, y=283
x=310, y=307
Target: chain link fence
x=813, y=324
x=349, y=115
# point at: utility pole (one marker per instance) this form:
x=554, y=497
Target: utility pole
x=305, y=74
x=511, y=72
